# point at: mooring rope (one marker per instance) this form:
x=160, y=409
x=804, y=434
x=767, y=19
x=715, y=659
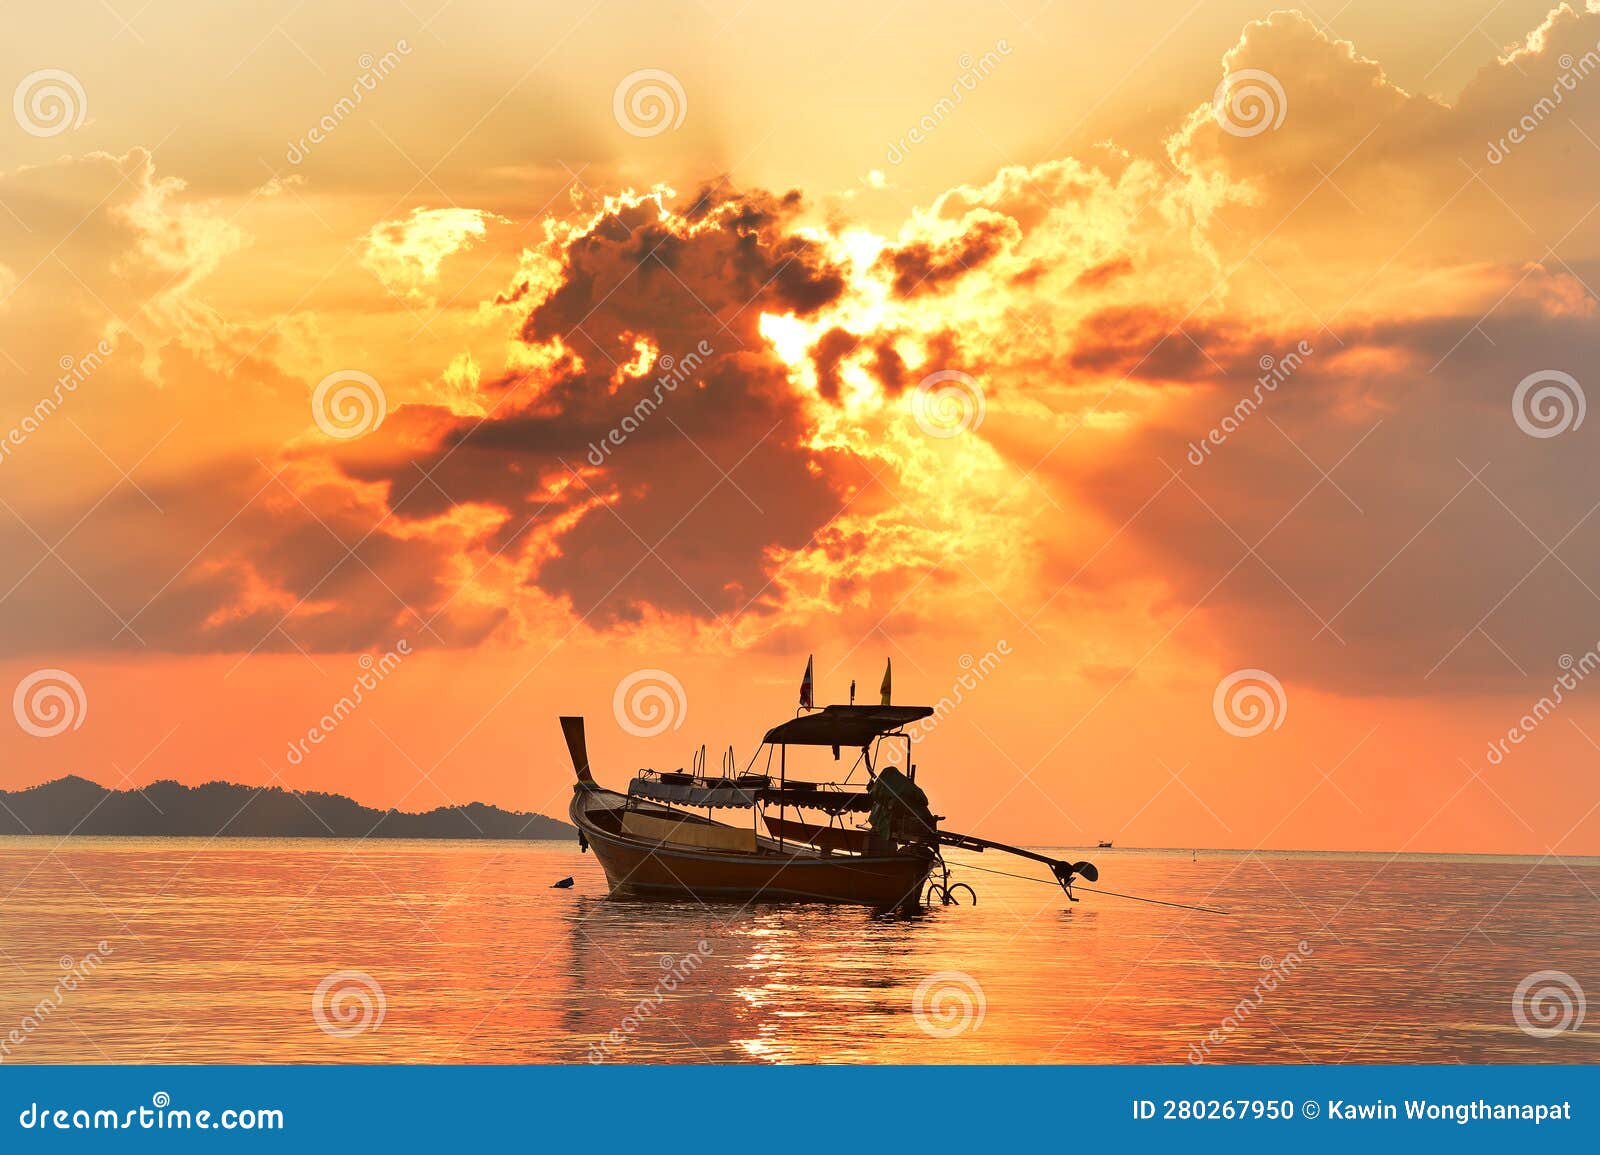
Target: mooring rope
x=1092, y=890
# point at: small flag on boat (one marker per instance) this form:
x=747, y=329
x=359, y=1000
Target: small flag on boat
x=884, y=689
x=805, y=686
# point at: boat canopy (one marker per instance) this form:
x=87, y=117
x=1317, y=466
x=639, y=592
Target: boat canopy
x=844, y=725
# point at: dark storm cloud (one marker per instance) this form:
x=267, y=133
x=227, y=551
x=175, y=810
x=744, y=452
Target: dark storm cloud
x=223, y=559
x=1401, y=573
x=922, y=267
x=671, y=490
x=689, y=476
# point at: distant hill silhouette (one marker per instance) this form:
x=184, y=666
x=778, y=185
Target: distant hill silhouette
x=74, y=805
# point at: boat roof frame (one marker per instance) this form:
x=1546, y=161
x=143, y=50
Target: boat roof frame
x=845, y=726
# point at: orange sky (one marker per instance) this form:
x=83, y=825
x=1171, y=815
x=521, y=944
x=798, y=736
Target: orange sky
x=1097, y=370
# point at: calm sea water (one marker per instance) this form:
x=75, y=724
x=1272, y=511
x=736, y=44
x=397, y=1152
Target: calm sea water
x=459, y=952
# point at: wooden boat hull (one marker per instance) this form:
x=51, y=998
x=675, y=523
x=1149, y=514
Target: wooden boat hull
x=833, y=837
x=638, y=868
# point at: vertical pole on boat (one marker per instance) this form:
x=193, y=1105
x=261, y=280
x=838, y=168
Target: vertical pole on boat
x=783, y=757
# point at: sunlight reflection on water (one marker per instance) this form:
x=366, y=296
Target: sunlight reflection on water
x=215, y=950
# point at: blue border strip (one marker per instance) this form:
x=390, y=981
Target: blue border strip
x=662, y=1110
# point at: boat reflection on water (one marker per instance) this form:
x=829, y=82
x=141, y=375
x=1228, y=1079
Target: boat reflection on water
x=675, y=981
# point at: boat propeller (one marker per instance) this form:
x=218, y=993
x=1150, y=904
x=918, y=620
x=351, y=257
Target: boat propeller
x=1066, y=872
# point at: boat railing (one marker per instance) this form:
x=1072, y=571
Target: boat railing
x=746, y=791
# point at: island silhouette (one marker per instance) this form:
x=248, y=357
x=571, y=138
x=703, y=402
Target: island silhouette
x=74, y=805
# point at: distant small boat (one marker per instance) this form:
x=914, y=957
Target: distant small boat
x=1105, y=845
x=564, y=884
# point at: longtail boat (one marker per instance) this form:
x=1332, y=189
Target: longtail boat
x=803, y=840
